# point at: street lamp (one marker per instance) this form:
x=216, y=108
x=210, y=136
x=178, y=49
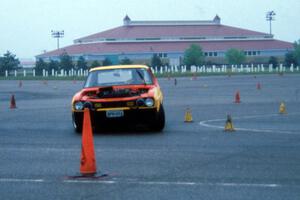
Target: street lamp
x=57, y=35
x=270, y=17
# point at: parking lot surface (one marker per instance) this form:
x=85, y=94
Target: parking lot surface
x=39, y=150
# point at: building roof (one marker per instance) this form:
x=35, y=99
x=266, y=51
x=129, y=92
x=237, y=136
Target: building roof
x=126, y=48
x=170, y=36
x=161, y=31
x=126, y=18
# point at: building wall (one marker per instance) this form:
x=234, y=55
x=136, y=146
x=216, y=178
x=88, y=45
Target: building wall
x=176, y=58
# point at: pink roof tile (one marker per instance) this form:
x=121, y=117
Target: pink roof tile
x=171, y=31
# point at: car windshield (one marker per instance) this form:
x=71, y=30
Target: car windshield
x=111, y=77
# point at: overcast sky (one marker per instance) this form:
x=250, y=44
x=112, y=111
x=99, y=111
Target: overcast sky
x=26, y=24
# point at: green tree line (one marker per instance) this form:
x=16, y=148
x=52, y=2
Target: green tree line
x=193, y=55
x=8, y=62
x=65, y=62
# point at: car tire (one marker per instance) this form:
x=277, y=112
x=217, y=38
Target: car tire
x=77, y=124
x=159, y=122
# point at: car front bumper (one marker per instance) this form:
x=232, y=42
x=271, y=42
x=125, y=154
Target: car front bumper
x=134, y=116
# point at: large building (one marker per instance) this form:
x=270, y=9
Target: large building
x=140, y=40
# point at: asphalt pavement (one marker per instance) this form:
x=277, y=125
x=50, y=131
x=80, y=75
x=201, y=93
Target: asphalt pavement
x=40, y=152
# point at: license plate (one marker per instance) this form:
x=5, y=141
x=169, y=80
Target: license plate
x=114, y=113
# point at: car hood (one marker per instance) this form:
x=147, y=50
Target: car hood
x=113, y=92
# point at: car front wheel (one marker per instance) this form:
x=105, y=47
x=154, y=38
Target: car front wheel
x=77, y=123
x=159, y=122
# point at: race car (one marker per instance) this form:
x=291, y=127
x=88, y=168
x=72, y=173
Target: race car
x=118, y=94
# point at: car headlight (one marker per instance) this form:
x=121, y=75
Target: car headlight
x=149, y=102
x=140, y=102
x=78, y=105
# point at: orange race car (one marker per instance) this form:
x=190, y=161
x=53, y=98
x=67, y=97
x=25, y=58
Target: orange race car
x=118, y=94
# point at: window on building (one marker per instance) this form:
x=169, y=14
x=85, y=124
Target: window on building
x=215, y=54
x=205, y=54
x=210, y=54
x=165, y=55
x=192, y=38
x=147, y=39
x=252, y=53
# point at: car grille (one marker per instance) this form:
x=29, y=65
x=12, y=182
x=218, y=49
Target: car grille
x=115, y=104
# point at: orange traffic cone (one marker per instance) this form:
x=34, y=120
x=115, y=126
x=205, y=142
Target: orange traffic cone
x=282, y=108
x=20, y=84
x=194, y=77
x=237, y=97
x=88, y=162
x=258, y=86
x=188, y=116
x=229, y=124
x=12, y=102
x=169, y=78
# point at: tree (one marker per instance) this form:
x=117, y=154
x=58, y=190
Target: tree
x=235, y=56
x=53, y=65
x=81, y=63
x=193, y=55
x=2, y=67
x=156, y=61
x=126, y=61
x=107, y=62
x=8, y=62
x=95, y=63
x=66, y=61
x=297, y=51
x=39, y=66
x=273, y=60
x=290, y=59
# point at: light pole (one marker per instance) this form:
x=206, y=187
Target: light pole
x=270, y=17
x=57, y=35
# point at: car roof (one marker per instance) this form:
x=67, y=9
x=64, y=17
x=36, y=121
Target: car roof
x=119, y=67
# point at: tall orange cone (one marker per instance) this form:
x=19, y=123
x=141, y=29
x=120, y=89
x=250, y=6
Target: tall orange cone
x=237, y=97
x=13, y=102
x=88, y=161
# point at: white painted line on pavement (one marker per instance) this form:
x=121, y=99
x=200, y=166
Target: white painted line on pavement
x=154, y=183
x=205, y=123
x=167, y=183
x=247, y=185
x=164, y=183
x=90, y=181
x=21, y=180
